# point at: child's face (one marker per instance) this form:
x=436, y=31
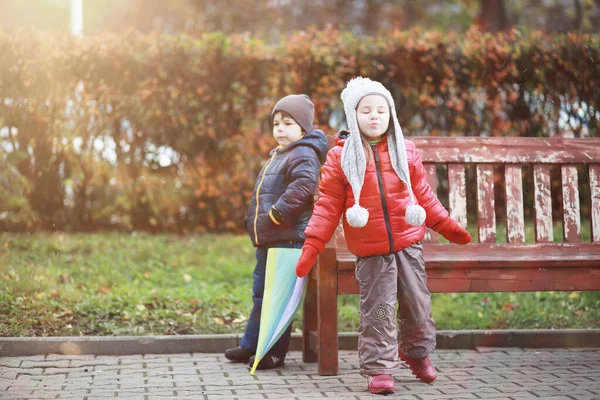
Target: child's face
x=373, y=116
x=285, y=129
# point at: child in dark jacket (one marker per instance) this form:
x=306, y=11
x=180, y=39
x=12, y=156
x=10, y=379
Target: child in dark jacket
x=376, y=180
x=280, y=208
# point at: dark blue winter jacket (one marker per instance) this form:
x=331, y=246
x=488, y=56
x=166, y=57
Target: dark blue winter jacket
x=287, y=181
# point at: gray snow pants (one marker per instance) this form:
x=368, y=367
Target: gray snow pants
x=384, y=280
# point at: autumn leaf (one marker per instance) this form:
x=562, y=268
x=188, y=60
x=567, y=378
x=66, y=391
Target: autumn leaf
x=104, y=289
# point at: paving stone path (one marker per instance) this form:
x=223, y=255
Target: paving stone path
x=483, y=374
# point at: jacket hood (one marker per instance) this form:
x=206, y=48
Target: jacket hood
x=341, y=136
x=315, y=139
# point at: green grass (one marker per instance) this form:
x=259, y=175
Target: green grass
x=586, y=232
x=138, y=284
x=537, y=310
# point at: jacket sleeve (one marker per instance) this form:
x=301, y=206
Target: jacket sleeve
x=303, y=175
x=422, y=191
x=330, y=206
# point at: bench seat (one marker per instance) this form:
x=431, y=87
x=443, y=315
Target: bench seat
x=483, y=267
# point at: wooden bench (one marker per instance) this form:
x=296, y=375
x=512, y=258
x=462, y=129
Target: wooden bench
x=485, y=266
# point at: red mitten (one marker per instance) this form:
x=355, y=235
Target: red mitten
x=307, y=259
x=450, y=229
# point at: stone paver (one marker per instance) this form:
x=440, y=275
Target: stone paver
x=484, y=374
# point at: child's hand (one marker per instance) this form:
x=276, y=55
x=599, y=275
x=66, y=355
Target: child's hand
x=307, y=259
x=450, y=229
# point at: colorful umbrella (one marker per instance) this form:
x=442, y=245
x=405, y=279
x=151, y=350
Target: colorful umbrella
x=282, y=297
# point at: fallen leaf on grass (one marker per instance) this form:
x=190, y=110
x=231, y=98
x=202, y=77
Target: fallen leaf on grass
x=68, y=311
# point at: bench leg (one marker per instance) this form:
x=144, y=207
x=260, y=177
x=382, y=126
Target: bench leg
x=327, y=327
x=309, y=328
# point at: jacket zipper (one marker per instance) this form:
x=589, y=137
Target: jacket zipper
x=383, y=201
x=258, y=196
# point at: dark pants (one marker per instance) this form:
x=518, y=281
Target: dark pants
x=250, y=339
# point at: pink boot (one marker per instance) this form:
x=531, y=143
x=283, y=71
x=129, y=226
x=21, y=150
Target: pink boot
x=381, y=384
x=420, y=367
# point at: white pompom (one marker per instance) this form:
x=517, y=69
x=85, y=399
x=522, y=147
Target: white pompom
x=357, y=216
x=415, y=215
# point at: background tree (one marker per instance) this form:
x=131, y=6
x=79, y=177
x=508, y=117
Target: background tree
x=271, y=18
x=492, y=15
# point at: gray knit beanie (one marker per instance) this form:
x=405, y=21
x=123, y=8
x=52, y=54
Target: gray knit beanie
x=299, y=107
x=354, y=162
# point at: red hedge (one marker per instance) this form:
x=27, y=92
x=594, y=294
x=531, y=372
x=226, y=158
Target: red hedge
x=86, y=121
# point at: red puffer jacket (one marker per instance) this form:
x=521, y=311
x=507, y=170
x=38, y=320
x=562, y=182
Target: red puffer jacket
x=383, y=194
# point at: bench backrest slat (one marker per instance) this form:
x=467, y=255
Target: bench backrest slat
x=457, y=186
x=570, y=191
x=514, y=155
x=515, y=219
x=502, y=150
x=595, y=202
x=486, y=214
x=431, y=236
x=544, y=232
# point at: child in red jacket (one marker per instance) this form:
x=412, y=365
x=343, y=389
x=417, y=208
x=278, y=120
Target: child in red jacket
x=377, y=179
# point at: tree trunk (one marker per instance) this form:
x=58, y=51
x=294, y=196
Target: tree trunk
x=578, y=15
x=492, y=15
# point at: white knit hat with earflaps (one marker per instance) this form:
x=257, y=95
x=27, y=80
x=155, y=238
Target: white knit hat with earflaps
x=354, y=162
